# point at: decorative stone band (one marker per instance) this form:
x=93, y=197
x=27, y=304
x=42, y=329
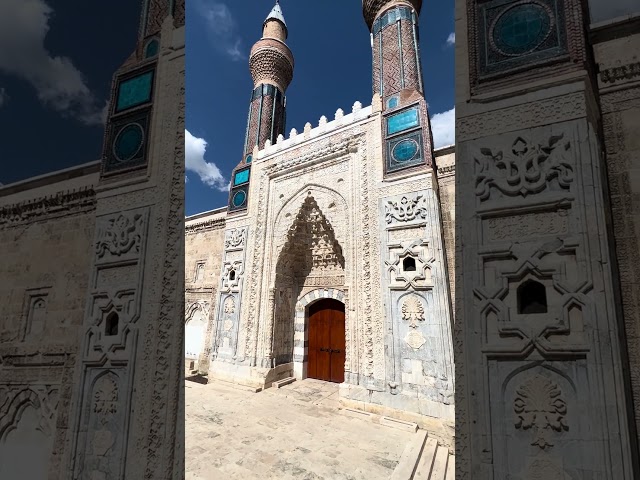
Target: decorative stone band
x=301, y=327
x=623, y=72
x=63, y=203
x=205, y=226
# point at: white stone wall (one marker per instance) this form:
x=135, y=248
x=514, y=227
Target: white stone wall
x=204, y=245
x=618, y=62
x=532, y=231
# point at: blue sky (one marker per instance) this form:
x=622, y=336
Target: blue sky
x=332, y=50
x=57, y=58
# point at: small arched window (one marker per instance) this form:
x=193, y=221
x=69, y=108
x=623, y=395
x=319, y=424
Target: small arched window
x=409, y=264
x=151, y=50
x=532, y=298
x=111, y=325
x=232, y=275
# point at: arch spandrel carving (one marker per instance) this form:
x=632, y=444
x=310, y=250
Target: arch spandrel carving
x=332, y=204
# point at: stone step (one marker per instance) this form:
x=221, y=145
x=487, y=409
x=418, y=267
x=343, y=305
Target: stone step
x=424, y=459
x=399, y=424
x=283, y=382
x=451, y=468
x=425, y=464
x=410, y=456
x=439, y=469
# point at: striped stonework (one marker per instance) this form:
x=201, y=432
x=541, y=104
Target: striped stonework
x=301, y=327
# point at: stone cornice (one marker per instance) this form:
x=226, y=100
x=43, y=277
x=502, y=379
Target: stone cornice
x=206, y=225
x=56, y=205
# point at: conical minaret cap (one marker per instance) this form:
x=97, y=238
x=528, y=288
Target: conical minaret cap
x=371, y=8
x=276, y=14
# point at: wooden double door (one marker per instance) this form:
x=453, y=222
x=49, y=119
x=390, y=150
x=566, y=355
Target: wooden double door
x=326, y=341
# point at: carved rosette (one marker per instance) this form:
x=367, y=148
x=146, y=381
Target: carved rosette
x=539, y=405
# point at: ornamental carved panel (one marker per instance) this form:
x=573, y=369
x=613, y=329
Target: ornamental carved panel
x=235, y=238
x=120, y=235
x=526, y=168
x=412, y=311
x=405, y=209
x=540, y=407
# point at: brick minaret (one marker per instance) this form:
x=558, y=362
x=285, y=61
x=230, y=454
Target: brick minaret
x=394, y=36
x=397, y=79
x=271, y=66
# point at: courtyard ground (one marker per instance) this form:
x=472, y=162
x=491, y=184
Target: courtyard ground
x=295, y=432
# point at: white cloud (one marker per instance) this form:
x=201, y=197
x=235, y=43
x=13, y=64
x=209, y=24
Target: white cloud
x=24, y=24
x=443, y=127
x=209, y=174
x=451, y=39
x=222, y=28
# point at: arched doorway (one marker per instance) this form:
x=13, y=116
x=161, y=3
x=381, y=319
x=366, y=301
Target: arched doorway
x=24, y=447
x=194, y=335
x=327, y=342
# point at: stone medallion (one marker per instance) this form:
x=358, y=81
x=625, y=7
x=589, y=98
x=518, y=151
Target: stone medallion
x=415, y=339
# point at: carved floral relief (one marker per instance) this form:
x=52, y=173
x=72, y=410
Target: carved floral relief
x=229, y=305
x=406, y=209
x=412, y=311
x=526, y=169
x=235, y=238
x=120, y=235
x=539, y=405
x=105, y=397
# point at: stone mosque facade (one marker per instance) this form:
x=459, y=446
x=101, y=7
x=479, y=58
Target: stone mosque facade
x=330, y=259
x=338, y=256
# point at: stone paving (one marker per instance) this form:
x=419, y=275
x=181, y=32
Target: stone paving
x=295, y=432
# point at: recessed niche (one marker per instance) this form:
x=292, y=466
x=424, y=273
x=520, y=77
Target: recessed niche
x=532, y=298
x=409, y=264
x=111, y=325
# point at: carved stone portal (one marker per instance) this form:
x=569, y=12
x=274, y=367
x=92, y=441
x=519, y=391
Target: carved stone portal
x=311, y=257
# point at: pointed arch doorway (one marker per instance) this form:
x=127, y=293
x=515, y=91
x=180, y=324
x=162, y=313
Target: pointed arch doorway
x=327, y=341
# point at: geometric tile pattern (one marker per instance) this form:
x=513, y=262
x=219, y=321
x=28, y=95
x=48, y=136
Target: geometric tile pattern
x=516, y=34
